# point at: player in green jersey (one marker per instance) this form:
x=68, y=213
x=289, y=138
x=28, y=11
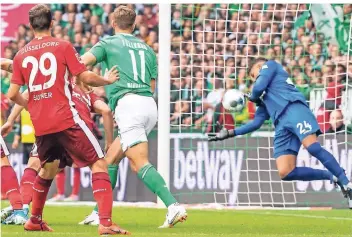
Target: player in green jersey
x=134, y=107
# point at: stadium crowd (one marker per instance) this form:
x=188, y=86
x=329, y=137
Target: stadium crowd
x=212, y=45
x=83, y=25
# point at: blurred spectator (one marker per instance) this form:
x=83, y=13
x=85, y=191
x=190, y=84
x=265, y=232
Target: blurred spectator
x=336, y=122
x=179, y=112
x=221, y=117
x=24, y=134
x=323, y=116
x=214, y=43
x=150, y=18
x=219, y=40
x=85, y=24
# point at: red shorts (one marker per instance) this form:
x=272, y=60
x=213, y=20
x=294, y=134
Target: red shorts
x=74, y=145
x=3, y=148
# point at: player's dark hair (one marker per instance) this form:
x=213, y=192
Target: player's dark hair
x=255, y=61
x=124, y=17
x=40, y=17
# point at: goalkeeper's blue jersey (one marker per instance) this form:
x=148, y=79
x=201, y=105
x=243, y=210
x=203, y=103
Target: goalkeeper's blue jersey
x=276, y=89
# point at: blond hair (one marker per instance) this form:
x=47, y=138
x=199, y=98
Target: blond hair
x=124, y=17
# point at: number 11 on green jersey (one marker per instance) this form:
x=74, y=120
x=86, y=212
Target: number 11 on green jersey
x=135, y=61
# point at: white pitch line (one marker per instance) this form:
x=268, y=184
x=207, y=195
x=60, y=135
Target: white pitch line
x=301, y=215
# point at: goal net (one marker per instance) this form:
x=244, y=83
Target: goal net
x=211, y=47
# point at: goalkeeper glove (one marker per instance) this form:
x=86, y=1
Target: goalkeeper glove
x=248, y=96
x=222, y=135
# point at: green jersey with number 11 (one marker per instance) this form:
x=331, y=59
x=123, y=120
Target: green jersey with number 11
x=135, y=61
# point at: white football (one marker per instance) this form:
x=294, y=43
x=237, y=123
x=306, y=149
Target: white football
x=233, y=100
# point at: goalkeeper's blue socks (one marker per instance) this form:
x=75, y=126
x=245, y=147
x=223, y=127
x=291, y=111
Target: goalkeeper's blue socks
x=308, y=174
x=329, y=161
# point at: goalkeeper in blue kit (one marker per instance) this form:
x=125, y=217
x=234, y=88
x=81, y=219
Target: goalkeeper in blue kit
x=277, y=98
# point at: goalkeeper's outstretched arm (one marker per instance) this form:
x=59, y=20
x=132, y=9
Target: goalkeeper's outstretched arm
x=260, y=116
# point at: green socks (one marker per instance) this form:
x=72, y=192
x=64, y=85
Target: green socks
x=153, y=180
x=112, y=170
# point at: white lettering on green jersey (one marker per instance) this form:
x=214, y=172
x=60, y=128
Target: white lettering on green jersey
x=135, y=61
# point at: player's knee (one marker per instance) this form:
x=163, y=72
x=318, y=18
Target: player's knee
x=110, y=160
x=99, y=166
x=106, y=111
x=115, y=158
x=314, y=149
x=138, y=154
x=137, y=164
x=34, y=163
x=290, y=175
x=284, y=173
x=134, y=167
x=4, y=161
x=309, y=140
x=49, y=170
x=285, y=164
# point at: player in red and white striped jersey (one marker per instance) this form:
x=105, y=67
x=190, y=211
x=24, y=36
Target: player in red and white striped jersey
x=86, y=101
x=9, y=186
x=44, y=65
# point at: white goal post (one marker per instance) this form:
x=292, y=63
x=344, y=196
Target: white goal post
x=163, y=94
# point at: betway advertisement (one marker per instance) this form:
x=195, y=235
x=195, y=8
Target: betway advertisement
x=235, y=172
x=241, y=172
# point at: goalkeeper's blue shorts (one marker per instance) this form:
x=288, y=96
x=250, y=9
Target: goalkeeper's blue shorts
x=294, y=124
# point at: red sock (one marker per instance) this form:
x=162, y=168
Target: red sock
x=102, y=193
x=60, y=182
x=10, y=187
x=40, y=191
x=27, y=182
x=76, y=181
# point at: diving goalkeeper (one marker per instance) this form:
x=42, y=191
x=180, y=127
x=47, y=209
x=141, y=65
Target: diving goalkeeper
x=278, y=99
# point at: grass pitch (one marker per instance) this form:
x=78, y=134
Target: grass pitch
x=144, y=222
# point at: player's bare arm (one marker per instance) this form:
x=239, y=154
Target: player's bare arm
x=7, y=127
x=14, y=90
x=6, y=64
x=88, y=59
x=95, y=80
x=78, y=69
x=15, y=95
x=101, y=108
x=152, y=85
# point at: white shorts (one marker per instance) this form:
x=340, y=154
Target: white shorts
x=135, y=116
x=4, y=151
x=34, y=151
